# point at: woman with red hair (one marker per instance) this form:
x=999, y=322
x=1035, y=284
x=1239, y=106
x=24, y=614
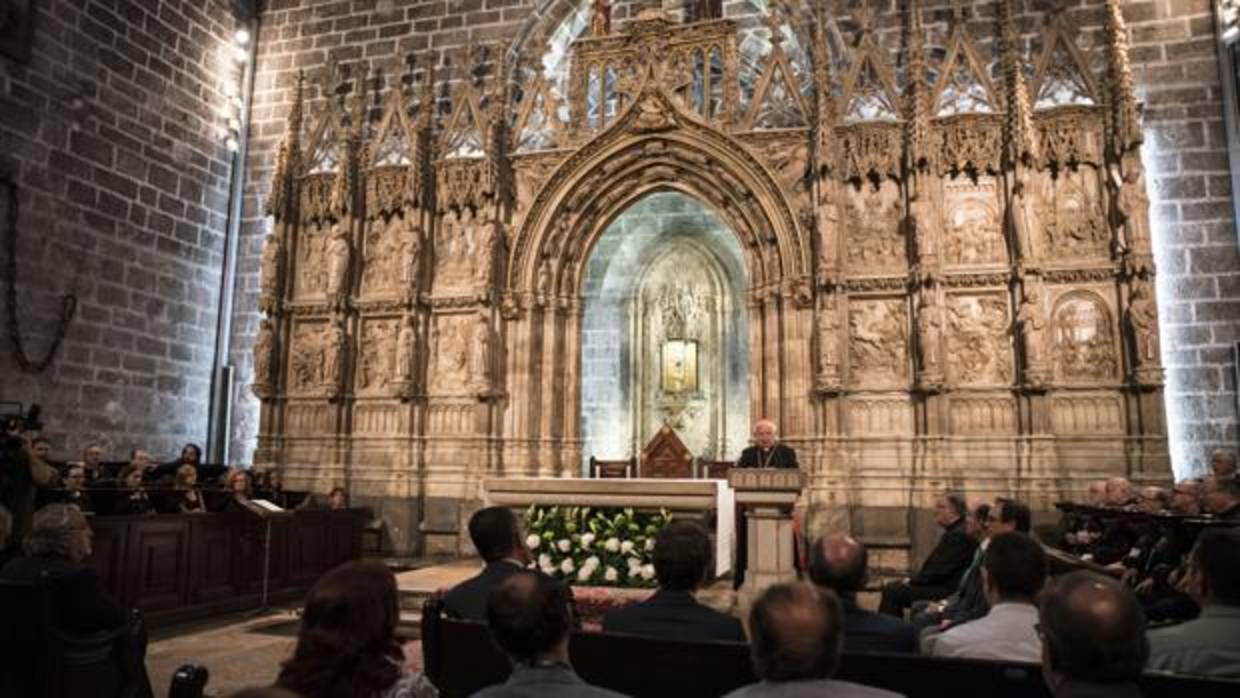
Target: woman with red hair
x=347, y=645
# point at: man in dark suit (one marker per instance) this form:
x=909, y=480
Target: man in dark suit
x=941, y=572
x=1093, y=637
x=681, y=561
x=530, y=617
x=764, y=453
x=839, y=563
x=496, y=534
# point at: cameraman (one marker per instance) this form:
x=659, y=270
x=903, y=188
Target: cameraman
x=21, y=474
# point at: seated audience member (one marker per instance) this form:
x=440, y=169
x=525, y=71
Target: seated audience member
x=191, y=455
x=272, y=490
x=1097, y=496
x=1223, y=502
x=75, y=481
x=796, y=637
x=496, y=534
x=1093, y=638
x=92, y=464
x=682, y=560
x=1154, y=500
x=241, y=489
x=1119, y=493
x=6, y=528
x=977, y=527
x=530, y=617
x=1223, y=463
x=1209, y=645
x=141, y=458
x=42, y=449
x=839, y=563
x=1186, y=498
x=347, y=644
x=1013, y=572
x=59, y=539
x=337, y=499
x=969, y=602
x=941, y=572
x=189, y=498
x=137, y=502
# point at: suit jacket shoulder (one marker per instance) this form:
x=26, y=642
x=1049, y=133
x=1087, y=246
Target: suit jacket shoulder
x=866, y=631
x=468, y=600
x=674, y=616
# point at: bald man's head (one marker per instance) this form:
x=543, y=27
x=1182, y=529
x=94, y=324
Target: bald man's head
x=796, y=632
x=1093, y=630
x=529, y=616
x=838, y=562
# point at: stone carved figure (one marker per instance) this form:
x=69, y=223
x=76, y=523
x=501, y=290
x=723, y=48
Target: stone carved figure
x=1032, y=326
x=874, y=239
x=333, y=344
x=1143, y=323
x=929, y=338
x=1076, y=225
x=272, y=285
x=829, y=342
x=828, y=221
x=412, y=255
x=264, y=358
x=406, y=343
x=600, y=18
x=310, y=272
x=1020, y=212
x=680, y=309
x=338, y=252
x=543, y=285
x=484, y=255
x=381, y=271
x=923, y=218
x=376, y=354
x=974, y=233
x=479, y=366
x=449, y=356
x=1132, y=206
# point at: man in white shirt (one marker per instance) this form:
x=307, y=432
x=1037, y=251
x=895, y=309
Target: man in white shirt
x=1013, y=572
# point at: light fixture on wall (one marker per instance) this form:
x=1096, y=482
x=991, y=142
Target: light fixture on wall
x=234, y=69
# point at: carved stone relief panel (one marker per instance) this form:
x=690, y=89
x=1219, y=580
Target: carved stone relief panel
x=1073, y=221
x=873, y=236
x=880, y=416
x=306, y=357
x=878, y=342
x=310, y=280
x=376, y=370
x=974, y=225
x=456, y=252
x=1084, y=339
x=450, y=355
x=979, y=340
x=383, y=256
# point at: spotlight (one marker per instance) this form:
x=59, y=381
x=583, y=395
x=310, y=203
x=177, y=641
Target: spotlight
x=232, y=144
x=242, y=37
x=1230, y=35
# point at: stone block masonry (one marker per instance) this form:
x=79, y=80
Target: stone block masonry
x=109, y=132
x=1173, y=54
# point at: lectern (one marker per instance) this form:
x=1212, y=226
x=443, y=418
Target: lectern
x=766, y=496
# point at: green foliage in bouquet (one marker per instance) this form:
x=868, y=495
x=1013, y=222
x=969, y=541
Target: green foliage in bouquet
x=605, y=546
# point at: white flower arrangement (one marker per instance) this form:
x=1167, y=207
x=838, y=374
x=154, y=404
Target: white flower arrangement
x=582, y=545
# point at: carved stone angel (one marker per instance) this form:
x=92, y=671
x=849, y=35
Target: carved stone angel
x=272, y=284
x=1143, y=323
x=600, y=18
x=338, y=253
x=264, y=359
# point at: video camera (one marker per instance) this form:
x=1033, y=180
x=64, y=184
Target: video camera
x=18, y=420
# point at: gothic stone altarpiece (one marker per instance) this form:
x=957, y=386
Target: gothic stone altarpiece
x=950, y=280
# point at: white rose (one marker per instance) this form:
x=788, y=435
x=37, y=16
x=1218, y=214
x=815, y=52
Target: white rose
x=613, y=545
x=610, y=574
x=564, y=545
x=649, y=544
x=583, y=574
x=626, y=547
x=549, y=570
x=587, y=539
x=544, y=561
x=593, y=562
x=567, y=566
x=647, y=572
x=532, y=541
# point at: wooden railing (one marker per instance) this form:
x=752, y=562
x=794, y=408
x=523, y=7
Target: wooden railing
x=176, y=567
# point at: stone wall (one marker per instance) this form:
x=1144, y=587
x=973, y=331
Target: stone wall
x=108, y=132
x=1173, y=50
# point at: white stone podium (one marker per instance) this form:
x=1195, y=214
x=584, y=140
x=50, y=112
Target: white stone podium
x=766, y=496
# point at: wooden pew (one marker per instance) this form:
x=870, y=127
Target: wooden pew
x=459, y=658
